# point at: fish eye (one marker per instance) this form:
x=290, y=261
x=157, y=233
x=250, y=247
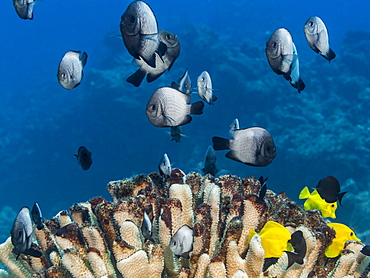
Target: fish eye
x=311, y=23
x=131, y=19
x=274, y=45
x=63, y=75
x=174, y=243
x=332, y=205
x=152, y=107
x=169, y=37
x=351, y=234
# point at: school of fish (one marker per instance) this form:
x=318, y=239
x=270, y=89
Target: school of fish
x=154, y=52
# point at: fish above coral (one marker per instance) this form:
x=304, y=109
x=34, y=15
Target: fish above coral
x=24, y=8
x=70, y=70
x=84, y=158
x=187, y=226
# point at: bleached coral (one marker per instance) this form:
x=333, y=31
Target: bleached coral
x=104, y=239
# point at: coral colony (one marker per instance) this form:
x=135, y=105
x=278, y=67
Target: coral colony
x=99, y=238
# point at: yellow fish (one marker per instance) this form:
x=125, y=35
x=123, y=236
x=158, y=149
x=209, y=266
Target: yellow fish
x=342, y=234
x=274, y=239
x=314, y=201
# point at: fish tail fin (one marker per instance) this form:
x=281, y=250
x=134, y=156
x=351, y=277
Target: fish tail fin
x=300, y=85
x=293, y=258
x=305, y=193
x=340, y=197
x=136, y=78
x=83, y=58
x=220, y=143
x=330, y=55
x=197, y=108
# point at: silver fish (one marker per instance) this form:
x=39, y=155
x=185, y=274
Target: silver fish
x=176, y=133
x=252, y=146
x=181, y=242
x=184, y=84
x=204, y=84
x=84, y=158
x=279, y=51
x=22, y=232
x=37, y=216
x=70, y=69
x=164, y=166
x=170, y=50
x=169, y=107
x=318, y=38
x=146, y=227
x=139, y=31
x=24, y=8
x=282, y=56
x=208, y=165
x=234, y=126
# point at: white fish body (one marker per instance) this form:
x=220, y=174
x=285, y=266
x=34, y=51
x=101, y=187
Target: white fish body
x=169, y=107
x=24, y=8
x=70, y=69
x=164, y=166
x=185, y=83
x=181, y=242
x=318, y=38
x=295, y=79
x=204, y=84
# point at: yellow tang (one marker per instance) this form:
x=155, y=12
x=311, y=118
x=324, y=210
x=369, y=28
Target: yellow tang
x=342, y=234
x=274, y=238
x=314, y=201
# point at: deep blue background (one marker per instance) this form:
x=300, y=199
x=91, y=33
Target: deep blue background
x=42, y=124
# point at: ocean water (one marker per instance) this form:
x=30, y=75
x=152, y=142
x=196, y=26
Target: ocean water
x=42, y=124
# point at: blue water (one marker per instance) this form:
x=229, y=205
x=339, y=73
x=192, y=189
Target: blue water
x=42, y=124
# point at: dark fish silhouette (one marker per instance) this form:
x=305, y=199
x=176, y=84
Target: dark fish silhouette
x=24, y=8
x=252, y=146
x=169, y=107
x=318, y=38
x=84, y=158
x=176, y=133
x=139, y=31
x=329, y=190
x=21, y=234
x=70, y=69
x=37, y=216
x=299, y=244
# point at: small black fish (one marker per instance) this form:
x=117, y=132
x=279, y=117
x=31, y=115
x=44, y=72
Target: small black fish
x=84, y=158
x=263, y=189
x=21, y=234
x=24, y=8
x=176, y=133
x=299, y=244
x=329, y=189
x=37, y=216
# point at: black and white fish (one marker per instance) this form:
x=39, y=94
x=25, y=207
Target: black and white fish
x=22, y=233
x=318, y=38
x=24, y=8
x=37, y=216
x=204, y=84
x=139, y=29
x=169, y=107
x=84, y=157
x=146, y=227
x=208, y=165
x=70, y=70
x=164, y=166
x=169, y=52
x=181, y=242
x=282, y=57
x=329, y=189
x=184, y=83
x=252, y=146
